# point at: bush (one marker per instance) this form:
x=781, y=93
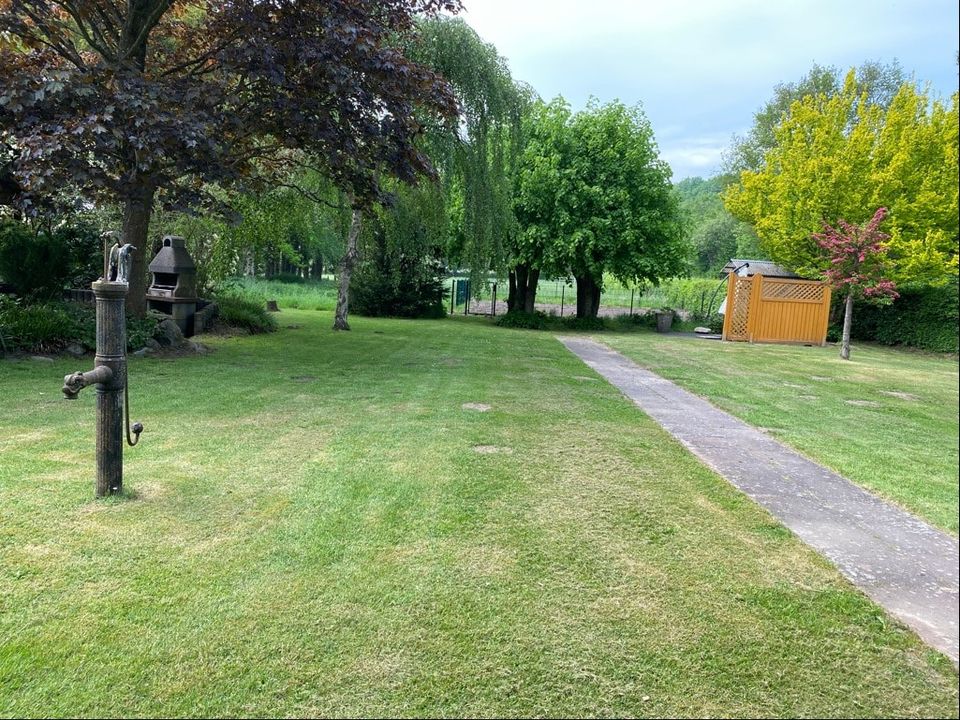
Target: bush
x=523, y=320
x=392, y=283
x=51, y=326
x=587, y=323
x=714, y=321
x=36, y=328
x=35, y=265
x=38, y=264
x=246, y=313
x=925, y=317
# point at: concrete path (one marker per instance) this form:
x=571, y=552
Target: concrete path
x=901, y=562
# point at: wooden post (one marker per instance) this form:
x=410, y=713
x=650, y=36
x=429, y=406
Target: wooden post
x=753, y=315
x=825, y=315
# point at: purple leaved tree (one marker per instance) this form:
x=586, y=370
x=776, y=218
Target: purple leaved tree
x=857, y=258
x=137, y=101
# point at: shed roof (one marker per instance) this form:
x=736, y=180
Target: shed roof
x=758, y=267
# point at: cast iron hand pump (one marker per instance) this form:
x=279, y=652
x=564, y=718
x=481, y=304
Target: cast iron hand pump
x=109, y=373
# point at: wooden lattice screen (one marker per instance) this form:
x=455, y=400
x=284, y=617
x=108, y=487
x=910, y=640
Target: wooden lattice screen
x=763, y=309
x=793, y=290
x=739, y=309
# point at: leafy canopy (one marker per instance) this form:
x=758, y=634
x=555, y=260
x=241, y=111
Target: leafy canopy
x=879, y=82
x=594, y=197
x=836, y=155
x=856, y=258
x=121, y=98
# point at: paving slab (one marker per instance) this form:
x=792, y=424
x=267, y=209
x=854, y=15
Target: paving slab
x=902, y=563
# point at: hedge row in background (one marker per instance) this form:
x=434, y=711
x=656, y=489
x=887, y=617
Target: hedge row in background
x=926, y=318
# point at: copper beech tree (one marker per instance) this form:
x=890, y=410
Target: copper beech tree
x=139, y=101
x=856, y=255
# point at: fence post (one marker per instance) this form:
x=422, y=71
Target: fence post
x=753, y=318
x=493, y=306
x=563, y=290
x=631, y=301
x=728, y=313
x=453, y=293
x=466, y=298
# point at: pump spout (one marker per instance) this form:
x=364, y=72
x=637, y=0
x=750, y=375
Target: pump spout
x=75, y=382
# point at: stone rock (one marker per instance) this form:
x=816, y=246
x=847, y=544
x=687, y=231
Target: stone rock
x=169, y=334
x=41, y=358
x=702, y=330
x=272, y=306
x=152, y=344
x=142, y=352
x=76, y=350
x=198, y=348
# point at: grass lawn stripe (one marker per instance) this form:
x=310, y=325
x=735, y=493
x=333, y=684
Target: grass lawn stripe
x=336, y=546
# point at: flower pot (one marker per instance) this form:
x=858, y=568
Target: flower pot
x=664, y=321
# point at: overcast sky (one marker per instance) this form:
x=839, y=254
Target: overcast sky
x=701, y=68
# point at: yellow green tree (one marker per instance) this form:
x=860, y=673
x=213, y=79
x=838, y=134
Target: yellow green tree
x=840, y=156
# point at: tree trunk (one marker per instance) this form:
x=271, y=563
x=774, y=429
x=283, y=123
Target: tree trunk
x=136, y=228
x=346, y=269
x=523, y=289
x=847, y=324
x=588, y=297
x=530, y=296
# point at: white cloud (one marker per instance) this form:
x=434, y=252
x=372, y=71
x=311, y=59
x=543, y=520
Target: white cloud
x=702, y=67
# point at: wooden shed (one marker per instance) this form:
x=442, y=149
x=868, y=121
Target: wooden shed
x=766, y=303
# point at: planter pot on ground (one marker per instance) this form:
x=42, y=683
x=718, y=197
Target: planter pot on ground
x=664, y=321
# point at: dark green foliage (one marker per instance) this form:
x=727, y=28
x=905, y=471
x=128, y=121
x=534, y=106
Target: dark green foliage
x=34, y=264
x=645, y=321
x=237, y=311
x=51, y=326
x=39, y=264
x=584, y=323
x=36, y=328
x=925, y=318
x=528, y=321
x=392, y=282
x=84, y=245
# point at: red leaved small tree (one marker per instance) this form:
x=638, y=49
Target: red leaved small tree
x=857, y=257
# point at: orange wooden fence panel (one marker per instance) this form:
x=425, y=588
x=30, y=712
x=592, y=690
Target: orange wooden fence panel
x=763, y=309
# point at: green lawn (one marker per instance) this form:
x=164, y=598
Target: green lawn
x=315, y=526
x=887, y=419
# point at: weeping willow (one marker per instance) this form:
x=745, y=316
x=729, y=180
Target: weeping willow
x=475, y=158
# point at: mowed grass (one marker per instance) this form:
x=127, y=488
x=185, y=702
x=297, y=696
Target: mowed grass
x=314, y=525
x=887, y=419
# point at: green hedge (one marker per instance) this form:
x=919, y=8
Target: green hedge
x=926, y=318
x=51, y=326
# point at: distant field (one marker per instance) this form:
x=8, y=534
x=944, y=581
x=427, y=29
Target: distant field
x=308, y=295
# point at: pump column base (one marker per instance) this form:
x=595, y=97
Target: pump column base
x=111, y=352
